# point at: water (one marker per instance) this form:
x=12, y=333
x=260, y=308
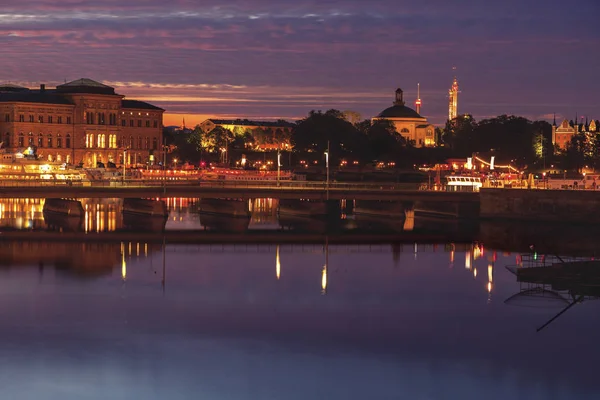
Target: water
x=126, y=319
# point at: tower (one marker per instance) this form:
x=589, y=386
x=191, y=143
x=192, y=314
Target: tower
x=453, y=100
x=418, y=102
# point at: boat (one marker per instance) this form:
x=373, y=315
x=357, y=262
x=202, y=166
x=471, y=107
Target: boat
x=230, y=174
x=146, y=207
x=64, y=207
x=463, y=183
x=26, y=166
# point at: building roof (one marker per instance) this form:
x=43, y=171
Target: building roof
x=245, y=122
x=33, y=96
x=139, y=105
x=9, y=87
x=399, y=111
x=85, y=85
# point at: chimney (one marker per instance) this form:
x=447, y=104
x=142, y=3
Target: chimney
x=42, y=88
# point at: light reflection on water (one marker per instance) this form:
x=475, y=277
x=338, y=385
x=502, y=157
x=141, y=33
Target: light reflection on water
x=263, y=321
x=154, y=319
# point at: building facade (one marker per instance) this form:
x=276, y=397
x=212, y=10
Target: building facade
x=82, y=123
x=409, y=123
x=562, y=134
x=268, y=135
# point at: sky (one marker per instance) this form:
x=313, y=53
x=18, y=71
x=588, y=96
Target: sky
x=267, y=59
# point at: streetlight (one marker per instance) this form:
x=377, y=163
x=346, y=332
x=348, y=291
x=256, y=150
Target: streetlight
x=175, y=163
x=278, y=166
x=124, y=163
x=327, y=168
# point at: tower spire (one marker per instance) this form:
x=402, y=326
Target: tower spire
x=418, y=102
x=554, y=121
x=453, y=99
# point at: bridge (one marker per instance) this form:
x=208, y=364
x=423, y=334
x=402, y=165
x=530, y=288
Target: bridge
x=264, y=189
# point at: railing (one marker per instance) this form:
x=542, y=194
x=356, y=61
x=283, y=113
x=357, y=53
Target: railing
x=223, y=184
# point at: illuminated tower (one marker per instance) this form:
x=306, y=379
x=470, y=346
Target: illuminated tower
x=418, y=102
x=453, y=100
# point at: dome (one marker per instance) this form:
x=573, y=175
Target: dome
x=399, y=110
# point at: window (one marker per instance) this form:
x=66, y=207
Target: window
x=21, y=140
x=68, y=142
x=155, y=123
x=59, y=120
x=7, y=139
x=404, y=130
x=50, y=140
x=40, y=141
x=139, y=142
x=154, y=144
x=21, y=118
x=7, y=118
x=30, y=139
x=101, y=141
x=147, y=124
x=146, y=143
x=139, y=123
x=58, y=141
x=131, y=123
x=101, y=119
x=49, y=119
x=41, y=119
x=31, y=118
x=131, y=142
x=68, y=120
x=89, y=140
x=123, y=122
x=112, y=141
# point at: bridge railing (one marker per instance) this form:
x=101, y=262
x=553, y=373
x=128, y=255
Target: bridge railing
x=224, y=184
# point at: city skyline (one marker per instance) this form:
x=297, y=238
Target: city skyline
x=264, y=60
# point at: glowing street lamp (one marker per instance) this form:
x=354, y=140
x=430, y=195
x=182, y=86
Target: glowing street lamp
x=278, y=166
x=327, y=168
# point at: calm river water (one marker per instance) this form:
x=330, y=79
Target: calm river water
x=121, y=318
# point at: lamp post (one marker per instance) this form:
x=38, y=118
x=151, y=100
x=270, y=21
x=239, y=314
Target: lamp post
x=165, y=166
x=278, y=166
x=327, y=169
x=124, y=163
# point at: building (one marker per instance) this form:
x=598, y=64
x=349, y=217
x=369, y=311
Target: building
x=562, y=134
x=82, y=122
x=409, y=123
x=268, y=135
x=453, y=100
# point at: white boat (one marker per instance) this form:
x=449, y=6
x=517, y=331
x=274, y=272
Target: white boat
x=463, y=183
x=19, y=166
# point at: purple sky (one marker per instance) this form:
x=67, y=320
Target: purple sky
x=275, y=59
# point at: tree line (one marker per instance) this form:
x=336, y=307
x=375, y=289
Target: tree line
x=525, y=143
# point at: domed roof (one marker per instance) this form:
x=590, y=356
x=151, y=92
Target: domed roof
x=399, y=109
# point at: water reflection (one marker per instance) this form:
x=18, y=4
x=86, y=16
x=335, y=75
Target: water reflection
x=385, y=314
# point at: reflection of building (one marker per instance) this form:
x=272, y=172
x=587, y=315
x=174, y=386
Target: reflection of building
x=562, y=134
x=268, y=135
x=409, y=123
x=80, y=122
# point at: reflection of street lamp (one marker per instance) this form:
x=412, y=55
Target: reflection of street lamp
x=223, y=152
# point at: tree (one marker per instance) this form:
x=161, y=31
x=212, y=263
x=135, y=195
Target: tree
x=313, y=134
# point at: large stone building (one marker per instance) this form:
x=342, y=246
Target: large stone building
x=562, y=134
x=408, y=122
x=80, y=122
x=268, y=135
